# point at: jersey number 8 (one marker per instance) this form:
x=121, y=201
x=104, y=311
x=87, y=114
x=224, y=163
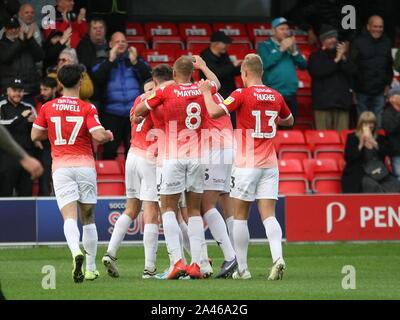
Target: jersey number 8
x=191, y=115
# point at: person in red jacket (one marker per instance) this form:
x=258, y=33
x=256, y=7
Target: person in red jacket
x=66, y=17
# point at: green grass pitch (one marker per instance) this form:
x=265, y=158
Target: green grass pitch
x=314, y=271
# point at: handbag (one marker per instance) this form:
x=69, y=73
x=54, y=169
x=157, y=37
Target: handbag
x=376, y=169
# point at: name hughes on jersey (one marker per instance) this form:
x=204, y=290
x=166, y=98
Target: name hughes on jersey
x=264, y=97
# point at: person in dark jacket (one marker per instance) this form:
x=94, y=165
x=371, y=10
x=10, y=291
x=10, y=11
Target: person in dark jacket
x=331, y=72
x=17, y=116
x=391, y=124
x=372, y=52
x=122, y=76
x=53, y=46
x=93, y=49
x=362, y=146
x=19, y=53
x=217, y=59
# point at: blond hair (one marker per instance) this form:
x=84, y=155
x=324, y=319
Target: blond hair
x=183, y=66
x=367, y=117
x=252, y=62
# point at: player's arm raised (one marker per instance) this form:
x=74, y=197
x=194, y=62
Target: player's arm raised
x=214, y=110
x=200, y=64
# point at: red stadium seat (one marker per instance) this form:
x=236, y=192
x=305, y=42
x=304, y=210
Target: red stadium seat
x=110, y=187
x=231, y=29
x=304, y=103
x=194, y=29
x=325, y=143
x=304, y=78
x=306, y=50
x=168, y=42
x=197, y=43
x=109, y=170
x=324, y=175
x=344, y=134
x=134, y=29
x=241, y=43
x=301, y=39
x=304, y=123
x=259, y=30
x=291, y=144
x=292, y=179
x=159, y=56
x=139, y=42
x=258, y=40
x=160, y=29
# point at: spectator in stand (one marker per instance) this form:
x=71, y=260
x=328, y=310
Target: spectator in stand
x=120, y=77
x=48, y=91
x=391, y=124
x=53, y=46
x=26, y=18
x=19, y=53
x=92, y=49
x=66, y=17
x=8, y=9
x=372, y=52
x=17, y=116
x=217, y=59
x=396, y=65
x=331, y=73
x=68, y=56
x=365, y=153
x=280, y=57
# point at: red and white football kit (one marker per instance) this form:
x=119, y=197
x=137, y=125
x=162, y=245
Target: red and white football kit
x=184, y=114
x=255, y=173
x=69, y=122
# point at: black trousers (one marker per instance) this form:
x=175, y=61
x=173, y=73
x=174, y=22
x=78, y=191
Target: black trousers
x=121, y=128
x=44, y=156
x=14, y=176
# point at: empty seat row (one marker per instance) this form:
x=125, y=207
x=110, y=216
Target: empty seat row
x=321, y=176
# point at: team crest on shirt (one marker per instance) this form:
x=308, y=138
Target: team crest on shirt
x=229, y=100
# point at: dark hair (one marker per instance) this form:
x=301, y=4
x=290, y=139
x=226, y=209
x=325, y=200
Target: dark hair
x=97, y=19
x=162, y=72
x=70, y=75
x=48, y=82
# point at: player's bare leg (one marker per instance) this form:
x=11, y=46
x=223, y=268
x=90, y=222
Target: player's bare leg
x=266, y=207
x=133, y=207
x=150, y=237
x=72, y=235
x=182, y=217
x=89, y=239
x=195, y=231
x=219, y=231
x=226, y=204
x=241, y=238
x=169, y=203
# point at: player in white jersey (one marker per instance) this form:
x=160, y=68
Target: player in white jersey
x=70, y=123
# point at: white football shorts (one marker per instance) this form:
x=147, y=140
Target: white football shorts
x=140, y=178
x=179, y=175
x=75, y=184
x=249, y=184
x=218, y=169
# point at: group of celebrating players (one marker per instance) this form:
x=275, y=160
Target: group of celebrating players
x=184, y=158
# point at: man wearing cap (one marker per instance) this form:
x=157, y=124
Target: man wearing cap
x=391, y=124
x=331, y=73
x=218, y=61
x=280, y=57
x=17, y=116
x=19, y=54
